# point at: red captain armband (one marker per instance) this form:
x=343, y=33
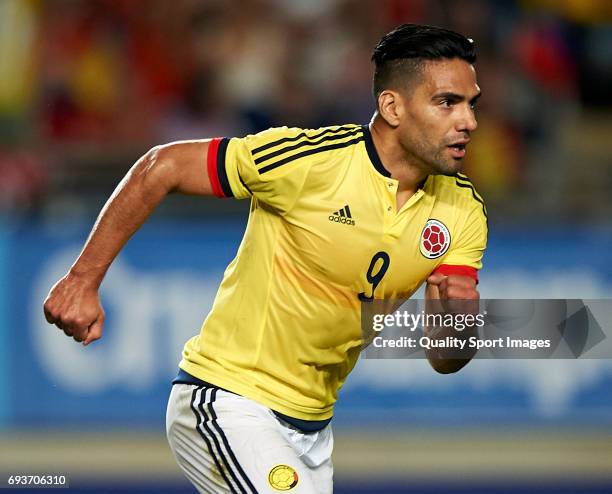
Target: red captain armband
x=448, y=269
x=215, y=163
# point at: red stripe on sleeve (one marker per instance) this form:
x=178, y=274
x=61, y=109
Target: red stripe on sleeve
x=211, y=161
x=448, y=269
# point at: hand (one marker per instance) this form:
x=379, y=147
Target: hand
x=454, y=286
x=448, y=295
x=73, y=305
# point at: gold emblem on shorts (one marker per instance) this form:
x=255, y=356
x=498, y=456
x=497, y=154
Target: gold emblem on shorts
x=283, y=478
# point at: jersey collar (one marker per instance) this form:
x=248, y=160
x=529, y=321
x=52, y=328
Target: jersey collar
x=375, y=159
x=372, y=153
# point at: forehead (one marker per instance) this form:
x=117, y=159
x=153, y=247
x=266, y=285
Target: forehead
x=453, y=76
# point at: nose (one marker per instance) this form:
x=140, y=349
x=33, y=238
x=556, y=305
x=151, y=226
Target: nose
x=467, y=121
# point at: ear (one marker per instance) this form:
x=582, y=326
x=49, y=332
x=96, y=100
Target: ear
x=390, y=107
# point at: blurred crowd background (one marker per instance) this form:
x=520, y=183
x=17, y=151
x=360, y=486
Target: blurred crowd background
x=87, y=86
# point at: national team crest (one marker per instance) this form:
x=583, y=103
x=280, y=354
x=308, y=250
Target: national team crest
x=283, y=478
x=435, y=239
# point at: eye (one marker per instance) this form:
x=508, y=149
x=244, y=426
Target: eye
x=446, y=103
x=473, y=105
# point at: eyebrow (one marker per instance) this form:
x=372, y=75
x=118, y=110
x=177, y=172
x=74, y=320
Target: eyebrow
x=454, y=97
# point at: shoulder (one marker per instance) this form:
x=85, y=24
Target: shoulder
x=276, y=147
x=285, y=139
x=458, y=190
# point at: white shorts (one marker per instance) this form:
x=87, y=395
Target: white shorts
x=225, y=443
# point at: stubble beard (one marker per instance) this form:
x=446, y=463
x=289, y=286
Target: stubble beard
x=445, y=165
x=437, y=162
x=433, y=160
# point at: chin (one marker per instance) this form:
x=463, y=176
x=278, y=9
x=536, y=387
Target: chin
x=448, y=168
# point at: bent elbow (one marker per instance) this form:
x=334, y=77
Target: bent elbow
x=156, y=168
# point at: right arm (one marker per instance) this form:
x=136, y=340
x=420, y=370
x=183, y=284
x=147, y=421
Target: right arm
x=73, y=304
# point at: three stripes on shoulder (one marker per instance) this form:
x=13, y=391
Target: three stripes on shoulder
x=463, y=181
x=307, y=145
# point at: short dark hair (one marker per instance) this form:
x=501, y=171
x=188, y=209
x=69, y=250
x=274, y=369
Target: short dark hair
x=400, y=53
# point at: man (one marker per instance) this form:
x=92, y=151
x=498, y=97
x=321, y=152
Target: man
x=339, y=216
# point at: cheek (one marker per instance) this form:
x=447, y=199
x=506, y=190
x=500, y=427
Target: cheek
x=436, y=122
x=425, y=136
x=428, y=123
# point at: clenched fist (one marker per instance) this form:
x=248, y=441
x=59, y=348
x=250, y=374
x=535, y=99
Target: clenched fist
x=454, y=287
x=73, y=305
x=451, y=294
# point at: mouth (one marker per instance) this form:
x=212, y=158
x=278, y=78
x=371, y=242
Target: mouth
x=458, y=149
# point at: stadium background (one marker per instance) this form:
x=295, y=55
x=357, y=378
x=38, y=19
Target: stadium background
x=88, y=86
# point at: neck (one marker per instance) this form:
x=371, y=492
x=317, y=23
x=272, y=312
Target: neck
x=405, y=170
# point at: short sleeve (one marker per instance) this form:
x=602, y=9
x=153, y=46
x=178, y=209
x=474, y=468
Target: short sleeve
x=273, y=165
x=465, y=255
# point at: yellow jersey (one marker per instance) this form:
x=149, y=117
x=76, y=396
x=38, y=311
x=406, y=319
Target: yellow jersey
x=323, y=235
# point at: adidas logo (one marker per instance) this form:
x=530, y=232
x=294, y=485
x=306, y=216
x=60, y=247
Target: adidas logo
x=343, y=215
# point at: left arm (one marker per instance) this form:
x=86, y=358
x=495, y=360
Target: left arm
x=444, y=288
